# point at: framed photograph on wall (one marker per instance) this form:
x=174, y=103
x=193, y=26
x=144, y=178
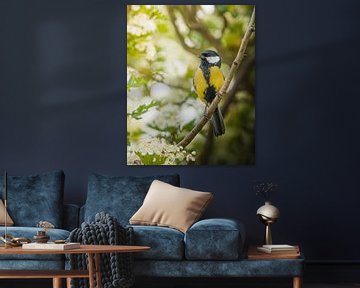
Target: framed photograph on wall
x=190, y=85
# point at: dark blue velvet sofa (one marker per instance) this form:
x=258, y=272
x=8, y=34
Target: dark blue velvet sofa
x=32, y=199
x=210, y=248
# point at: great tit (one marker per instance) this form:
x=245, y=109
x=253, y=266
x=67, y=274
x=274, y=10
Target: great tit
x=207, y=81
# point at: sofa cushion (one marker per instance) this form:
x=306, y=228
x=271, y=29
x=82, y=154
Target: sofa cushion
x=119, y=196
x=29, y=232
x=9, y=221
x=35, y=198
x=165, y=243
x=214, y=239
x=170, y=206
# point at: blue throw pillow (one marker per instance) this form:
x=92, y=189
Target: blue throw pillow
x=119, y=196
x=35, y=198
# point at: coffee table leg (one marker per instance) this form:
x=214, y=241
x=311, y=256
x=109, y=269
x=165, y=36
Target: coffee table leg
x=91, y=270
x=297, y=282
x=98, y=270
x=57, y=283
x=68, y=282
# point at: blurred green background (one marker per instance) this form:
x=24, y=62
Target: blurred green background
x=163, y=45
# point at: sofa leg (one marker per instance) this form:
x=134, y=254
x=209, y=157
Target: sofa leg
x=68, y=282
x=57, y=283
x=297, y=282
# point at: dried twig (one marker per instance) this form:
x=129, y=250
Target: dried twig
x=234, y=66
x=172, y=15
x=188, y=15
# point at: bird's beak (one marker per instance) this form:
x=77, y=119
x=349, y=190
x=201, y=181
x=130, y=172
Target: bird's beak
x=201, y=56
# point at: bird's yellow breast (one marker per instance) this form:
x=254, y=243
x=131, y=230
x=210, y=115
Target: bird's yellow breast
x=200, y=84
x=216, y=78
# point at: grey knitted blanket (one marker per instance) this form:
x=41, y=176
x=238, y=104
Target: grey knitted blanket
x=116, y=268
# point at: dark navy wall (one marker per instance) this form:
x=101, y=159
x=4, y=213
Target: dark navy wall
x=63, y=106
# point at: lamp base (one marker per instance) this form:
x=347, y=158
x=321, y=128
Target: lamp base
x=268, y=237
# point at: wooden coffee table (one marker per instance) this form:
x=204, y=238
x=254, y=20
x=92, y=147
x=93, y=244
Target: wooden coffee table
x=57, y=275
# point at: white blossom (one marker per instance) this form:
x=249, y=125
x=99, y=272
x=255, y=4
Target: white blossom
x=159, y=150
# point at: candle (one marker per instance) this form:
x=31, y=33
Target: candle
x=5, y=202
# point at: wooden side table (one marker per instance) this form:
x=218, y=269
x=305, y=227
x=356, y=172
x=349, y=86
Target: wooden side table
x=93, y=251
x=254, y=254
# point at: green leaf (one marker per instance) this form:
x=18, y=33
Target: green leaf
x=135, y=82
x=142, y=109
x=153, y=159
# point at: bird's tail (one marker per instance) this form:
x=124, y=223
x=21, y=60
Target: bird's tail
x=217, y=121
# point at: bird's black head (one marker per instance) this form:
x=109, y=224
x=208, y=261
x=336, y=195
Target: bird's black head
x=210, y=58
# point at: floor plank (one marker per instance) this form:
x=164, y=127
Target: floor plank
x=45, y=283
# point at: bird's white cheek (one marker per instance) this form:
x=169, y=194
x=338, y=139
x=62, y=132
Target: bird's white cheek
x=213, y=59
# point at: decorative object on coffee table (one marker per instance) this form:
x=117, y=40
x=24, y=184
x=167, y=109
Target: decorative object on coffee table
x=8, y=239
x=268, y=213
x=4, y=238
x=41, y=236
x=11, y=241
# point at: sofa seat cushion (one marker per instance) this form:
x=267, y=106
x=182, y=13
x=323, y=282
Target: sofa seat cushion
x=120, y=196
x=166, y=243
x=29, y=232
x=214, y=239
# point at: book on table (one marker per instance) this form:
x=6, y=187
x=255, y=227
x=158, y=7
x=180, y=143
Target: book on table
x=278, y=249
x=51, y=246
x=255, y=254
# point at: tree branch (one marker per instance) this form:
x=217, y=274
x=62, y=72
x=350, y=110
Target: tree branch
x=234, y=66
x=233, y=87
x=195, y=24
x=232, y=90
x=172, y=16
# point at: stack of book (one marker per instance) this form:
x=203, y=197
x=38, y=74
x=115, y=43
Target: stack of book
x=274, y=252
x=279, y=249
x=51, y=246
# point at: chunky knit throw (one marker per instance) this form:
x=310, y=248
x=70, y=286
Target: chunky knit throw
x=116, y=268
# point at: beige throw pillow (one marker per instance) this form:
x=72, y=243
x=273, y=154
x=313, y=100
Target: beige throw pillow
x=170, y=206
x=10, y=222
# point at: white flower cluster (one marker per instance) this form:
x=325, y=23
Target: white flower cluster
x=156, y=151
x=168, y=117
x=142, y=25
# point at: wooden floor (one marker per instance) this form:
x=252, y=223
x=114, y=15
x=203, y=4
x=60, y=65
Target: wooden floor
x=343, y=285
x=45, y=283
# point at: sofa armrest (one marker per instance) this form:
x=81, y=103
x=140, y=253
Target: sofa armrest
x=71, y=216
x=215, y=239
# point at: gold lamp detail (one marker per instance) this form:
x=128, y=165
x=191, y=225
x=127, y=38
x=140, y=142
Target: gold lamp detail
x=268, y=213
